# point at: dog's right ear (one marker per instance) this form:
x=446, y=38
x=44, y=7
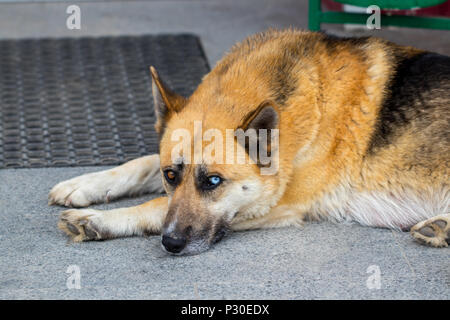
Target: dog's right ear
x=166, y=102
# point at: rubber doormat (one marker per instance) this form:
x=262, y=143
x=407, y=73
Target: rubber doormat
x=88, y=101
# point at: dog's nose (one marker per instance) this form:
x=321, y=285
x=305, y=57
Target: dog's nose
x=173, y=245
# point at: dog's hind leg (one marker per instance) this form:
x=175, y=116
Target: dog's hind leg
x=434, y=232
x=135, y=177
x=87, y=224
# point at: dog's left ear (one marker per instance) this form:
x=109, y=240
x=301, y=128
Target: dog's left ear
x=166, y=102
x=264, y=119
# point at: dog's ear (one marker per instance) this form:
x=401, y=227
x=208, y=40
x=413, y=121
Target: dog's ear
x=264, y=122
x=264, y=117
x=165, y=101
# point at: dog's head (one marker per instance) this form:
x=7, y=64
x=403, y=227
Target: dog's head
x=211, y=176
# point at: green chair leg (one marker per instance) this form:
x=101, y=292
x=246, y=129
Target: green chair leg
x=314, y=14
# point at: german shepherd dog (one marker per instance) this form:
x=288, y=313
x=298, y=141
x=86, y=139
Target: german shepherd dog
x=362, y=130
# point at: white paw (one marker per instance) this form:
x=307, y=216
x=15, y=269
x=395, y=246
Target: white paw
x=83, y=190
x=82, y=225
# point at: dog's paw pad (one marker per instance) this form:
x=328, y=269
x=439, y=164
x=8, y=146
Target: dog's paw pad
x=72, y=228
x=79, y=225
x=434, y=232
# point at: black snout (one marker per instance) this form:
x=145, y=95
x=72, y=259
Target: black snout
x=173, y=245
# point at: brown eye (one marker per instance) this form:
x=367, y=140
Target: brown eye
x=170, y=176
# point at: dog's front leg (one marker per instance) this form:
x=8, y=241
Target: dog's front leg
x=89, y=224
x=277, y=217
x=138, y=176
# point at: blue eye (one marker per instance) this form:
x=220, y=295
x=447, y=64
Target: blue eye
x=214, y=180
x=210, y=182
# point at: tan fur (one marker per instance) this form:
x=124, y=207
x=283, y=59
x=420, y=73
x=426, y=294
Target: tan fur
x=328, y=107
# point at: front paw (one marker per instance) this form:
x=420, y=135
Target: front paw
x=81, y=225
x=82, y=191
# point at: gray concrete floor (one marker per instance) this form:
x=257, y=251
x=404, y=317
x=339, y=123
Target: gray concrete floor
x=321, y=260
x=318, y=261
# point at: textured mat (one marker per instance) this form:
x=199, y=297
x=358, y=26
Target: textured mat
x=87, y=101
